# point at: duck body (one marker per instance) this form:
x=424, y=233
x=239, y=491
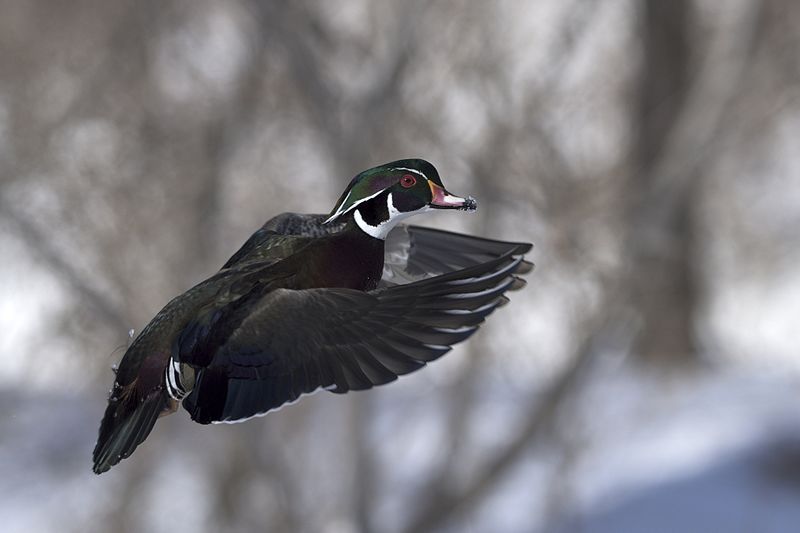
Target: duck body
x=312, y=301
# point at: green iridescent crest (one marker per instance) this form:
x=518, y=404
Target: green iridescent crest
x=360, y=189
x=374, y=181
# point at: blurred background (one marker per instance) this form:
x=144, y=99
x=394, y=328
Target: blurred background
x=647, y=379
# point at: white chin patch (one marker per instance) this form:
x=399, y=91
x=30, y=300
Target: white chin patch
x=382, y=230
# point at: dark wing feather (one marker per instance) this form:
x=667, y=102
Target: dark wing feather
x=274, y=345
x=266, y=247
x=251, y=245
x=280, y=237
x=415, y=252
x=124, y=427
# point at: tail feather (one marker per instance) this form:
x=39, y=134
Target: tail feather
x=125, y=425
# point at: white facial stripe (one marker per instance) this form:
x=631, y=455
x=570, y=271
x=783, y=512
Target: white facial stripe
x=339, y=211
x=412, y=170
x=382, y=230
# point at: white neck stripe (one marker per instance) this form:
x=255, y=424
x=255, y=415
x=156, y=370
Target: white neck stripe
x=383, y=228
x=372, y=231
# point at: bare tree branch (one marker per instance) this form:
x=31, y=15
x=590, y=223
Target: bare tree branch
x=38, y=241
x=452, y=503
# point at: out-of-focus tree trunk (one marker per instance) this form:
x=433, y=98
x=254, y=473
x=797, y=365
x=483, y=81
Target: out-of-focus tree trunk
x=661, y=239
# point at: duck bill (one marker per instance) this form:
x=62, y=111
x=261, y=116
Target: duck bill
x=441, y=199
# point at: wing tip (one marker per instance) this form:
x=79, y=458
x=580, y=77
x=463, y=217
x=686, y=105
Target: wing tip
x=122, y=430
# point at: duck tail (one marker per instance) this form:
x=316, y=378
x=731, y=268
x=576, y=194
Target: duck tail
x=127, y=422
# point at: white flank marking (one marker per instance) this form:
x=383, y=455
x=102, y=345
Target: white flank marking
x=172, y=387
x=173, y=375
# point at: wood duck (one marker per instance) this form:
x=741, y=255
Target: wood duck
x=314, y=301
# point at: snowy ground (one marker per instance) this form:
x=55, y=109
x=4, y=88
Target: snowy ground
x=714, y=451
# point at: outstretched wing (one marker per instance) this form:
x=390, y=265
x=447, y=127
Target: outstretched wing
x=413, y=253
x=274, y=346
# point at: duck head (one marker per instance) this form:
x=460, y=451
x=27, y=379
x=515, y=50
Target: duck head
x=378, y=198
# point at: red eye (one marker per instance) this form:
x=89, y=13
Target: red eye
x=408, y=181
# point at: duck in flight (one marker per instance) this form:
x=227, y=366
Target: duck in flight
x=343, y=301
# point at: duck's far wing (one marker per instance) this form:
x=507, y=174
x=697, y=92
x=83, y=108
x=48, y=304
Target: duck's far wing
x=273, y=347
x=279, y=237
x=414, y=253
